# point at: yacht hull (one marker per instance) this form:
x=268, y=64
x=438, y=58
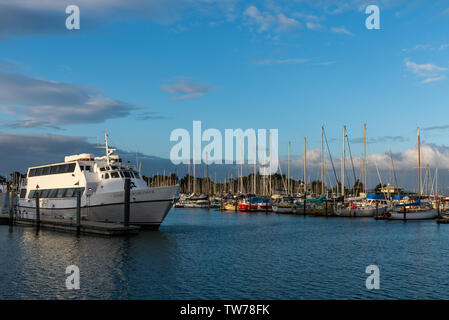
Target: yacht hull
x=147, y=209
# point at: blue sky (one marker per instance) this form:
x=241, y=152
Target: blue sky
x=151, y=67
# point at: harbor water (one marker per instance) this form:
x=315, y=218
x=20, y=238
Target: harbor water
x=202, y=254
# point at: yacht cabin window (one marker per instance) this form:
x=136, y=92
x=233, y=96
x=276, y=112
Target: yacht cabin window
x=44, y=193
x=55, y=169
x=55, y=193
x=115, y=174
x=60, y=193
x=46, y=171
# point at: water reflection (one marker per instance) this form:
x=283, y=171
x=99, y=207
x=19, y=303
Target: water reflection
x=200, y=254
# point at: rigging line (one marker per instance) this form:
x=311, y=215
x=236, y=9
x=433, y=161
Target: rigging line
x=424, y=185
x=432, y=186
x=394, y=171
x=282, y=177
x=352, y=163
x=378, y=174
x=361, y=172
x=330, y=156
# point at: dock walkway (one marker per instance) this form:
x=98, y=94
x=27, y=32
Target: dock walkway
x=443, y=219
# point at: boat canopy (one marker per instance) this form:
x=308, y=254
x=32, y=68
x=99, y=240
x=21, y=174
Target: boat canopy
x=413, y=204
x=259, y=200
x=374, y=196
x=317, y=200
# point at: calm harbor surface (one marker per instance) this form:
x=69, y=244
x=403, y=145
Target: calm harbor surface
x=201, y=254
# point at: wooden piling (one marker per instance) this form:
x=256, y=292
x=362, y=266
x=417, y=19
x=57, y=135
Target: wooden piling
x=78, y=211
x=438, y=208
x=11, y=207
x=127, y=202
x=325, y=205
x=304, y=204
x=38, y=209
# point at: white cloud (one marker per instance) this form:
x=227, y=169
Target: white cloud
x=427, y=47
x=314, y=26
x=429, y=71
x=285, y=23
x=341, y=30
x=43, y=103
x=265, y=21
x=429, y=80
x=187, y=88
x=279, y=61
x=431, y=155
x=423, y=69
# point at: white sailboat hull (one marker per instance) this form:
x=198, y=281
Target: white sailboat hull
x=360, y=212
x=424, y=215
x=283, y=209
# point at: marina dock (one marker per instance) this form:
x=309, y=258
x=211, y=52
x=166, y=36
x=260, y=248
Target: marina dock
x=65, y=225
x=443, y=219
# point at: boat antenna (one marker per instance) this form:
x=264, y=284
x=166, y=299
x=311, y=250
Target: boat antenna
x=419, y=164
x=109, y=151
x=106, y=145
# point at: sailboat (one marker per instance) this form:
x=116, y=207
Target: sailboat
x=416, y=210
x=286, y=205
x=361, y=207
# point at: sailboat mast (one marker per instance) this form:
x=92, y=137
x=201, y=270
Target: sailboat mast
x=419, y=164
x=322, y=161
x=305, y=164
x=255, y=162
x=207, y=176
x=364, y=157
x=264, y=176
x=271, y=190
x=194, y=173
x=189, y=177
x=288, y=169
x=436, y=181
x=343, y=163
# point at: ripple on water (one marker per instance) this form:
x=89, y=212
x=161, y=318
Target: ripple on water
x=200, y=254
